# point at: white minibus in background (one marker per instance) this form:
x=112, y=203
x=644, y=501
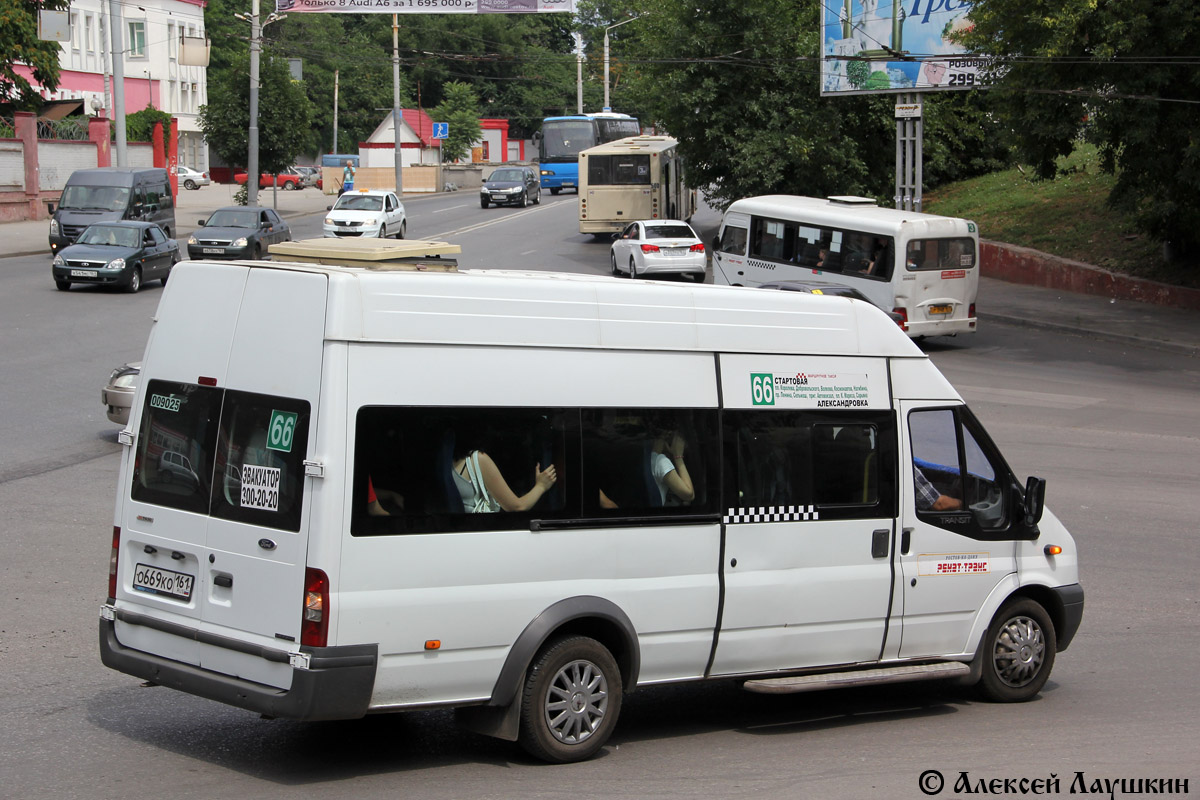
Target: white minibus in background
x=639, y=177
x=523, y=495
x=922, y=266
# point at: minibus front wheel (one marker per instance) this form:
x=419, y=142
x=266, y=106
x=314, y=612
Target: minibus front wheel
x=571, y=700
x=1019, y=652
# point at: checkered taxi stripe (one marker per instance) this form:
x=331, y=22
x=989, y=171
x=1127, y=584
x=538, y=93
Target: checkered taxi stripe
x=734, y=516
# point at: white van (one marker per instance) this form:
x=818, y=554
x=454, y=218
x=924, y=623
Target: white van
x=922, y=267
x=717, y=484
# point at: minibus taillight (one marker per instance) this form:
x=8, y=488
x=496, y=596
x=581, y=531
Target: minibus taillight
x=649, y=248
x=314, y=625
x=112, y=564
x=971, y=314
x=903, y=321
x=696, y=248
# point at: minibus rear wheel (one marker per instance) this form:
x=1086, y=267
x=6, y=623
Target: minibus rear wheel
x=1019, y=652
x=571, y=700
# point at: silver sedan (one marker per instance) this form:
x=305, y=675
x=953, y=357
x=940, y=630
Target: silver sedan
x=658, y=247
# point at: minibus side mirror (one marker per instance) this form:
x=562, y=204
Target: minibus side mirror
x=716, y=242
x=200, y=223
x=329, y=208
x=1035, y=500
x=50, y=208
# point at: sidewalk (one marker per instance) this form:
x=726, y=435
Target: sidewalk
x=1103, y=317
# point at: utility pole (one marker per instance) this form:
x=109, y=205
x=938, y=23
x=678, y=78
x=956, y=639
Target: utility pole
x=118, y=58
x=105, y=56
x=607, y=107
x=579, y=74
x=252, y=172
x=335, y=150
x=399, y=164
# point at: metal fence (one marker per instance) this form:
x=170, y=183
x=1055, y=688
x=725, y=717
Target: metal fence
x=8, y=129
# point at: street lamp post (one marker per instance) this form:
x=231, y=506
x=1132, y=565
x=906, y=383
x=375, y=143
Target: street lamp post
x=256, y=30
x=607, y=107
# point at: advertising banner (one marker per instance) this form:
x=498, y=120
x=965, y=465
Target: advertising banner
x=872, y=46
x=423, y=6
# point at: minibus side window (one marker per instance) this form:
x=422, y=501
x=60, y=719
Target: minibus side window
x=953, y=472
x=649, y=462
x=261, y=448
x=173, y=465
x=411, y=472
x=835, y=466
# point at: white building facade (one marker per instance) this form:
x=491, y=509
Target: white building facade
x=151, y=33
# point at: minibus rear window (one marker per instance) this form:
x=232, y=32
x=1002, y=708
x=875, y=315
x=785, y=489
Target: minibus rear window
x=260, y=460
x=618, y=170
x=173, y=464
x=939, y=254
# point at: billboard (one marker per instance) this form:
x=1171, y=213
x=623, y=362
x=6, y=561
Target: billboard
x=873, y=46
x=423, y=6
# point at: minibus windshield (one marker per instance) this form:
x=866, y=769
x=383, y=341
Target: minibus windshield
x=95, y=198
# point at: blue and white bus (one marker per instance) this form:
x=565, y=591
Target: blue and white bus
x=562, y=138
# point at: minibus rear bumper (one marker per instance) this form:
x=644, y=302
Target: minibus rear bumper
x=336, y=684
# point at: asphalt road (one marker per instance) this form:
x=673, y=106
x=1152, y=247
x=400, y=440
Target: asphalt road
x=1115, y=430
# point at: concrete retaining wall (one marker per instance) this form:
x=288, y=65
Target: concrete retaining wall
x=1024, y=265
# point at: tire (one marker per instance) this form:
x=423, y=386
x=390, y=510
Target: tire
x=382, y=231
x=289, y=186
x=555, y=191
x=1018, y=652
x=612, y=257
x=135, y=281
x=524, y=199
x=571, y=700
x=257, y=254
x=483, y=203
x=190, y=184
x=62, y=286
x=632, y=268
x=537, y=198
x=403, y=229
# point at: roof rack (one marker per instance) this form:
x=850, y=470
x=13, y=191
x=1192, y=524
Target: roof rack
x=372, y=254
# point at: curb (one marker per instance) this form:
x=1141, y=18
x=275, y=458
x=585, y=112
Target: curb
x=1091, y=333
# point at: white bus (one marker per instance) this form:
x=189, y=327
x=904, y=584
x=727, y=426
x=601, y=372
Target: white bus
x=639, y=177
x=521, y=495
x=922, y=266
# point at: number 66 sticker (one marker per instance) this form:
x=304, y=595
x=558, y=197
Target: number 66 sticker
x=283, y=428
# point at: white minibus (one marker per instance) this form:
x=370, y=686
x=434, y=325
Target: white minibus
x=922, y=266
x=524, y=495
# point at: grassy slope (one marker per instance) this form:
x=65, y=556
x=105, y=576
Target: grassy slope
x=1066, y=217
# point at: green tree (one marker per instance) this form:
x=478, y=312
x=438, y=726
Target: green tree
x=737, y=84
x=139, y=126
x=1124, y=80
x=20, y=44
x=459, y=108
x=284, y=114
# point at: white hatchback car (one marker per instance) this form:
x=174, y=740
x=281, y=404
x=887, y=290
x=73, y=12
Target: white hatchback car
x=366, y=213
x=658, y=247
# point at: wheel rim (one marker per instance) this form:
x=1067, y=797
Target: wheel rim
x=135, y=282
x=576, y=702
x=632, y=268
x=1019, y=651
x=613, y=259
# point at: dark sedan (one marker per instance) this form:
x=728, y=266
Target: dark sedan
x=516, y=186
x=238, y=232
x=121, y=254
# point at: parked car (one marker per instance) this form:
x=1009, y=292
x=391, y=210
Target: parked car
x=288, y=179
x=511, y=186
x=117, y=394
x=311, y=175
x=658, y=247
x=366, y=212
x=832, y=289
x=192, y=179
x=238, y=232
x=121, y=254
